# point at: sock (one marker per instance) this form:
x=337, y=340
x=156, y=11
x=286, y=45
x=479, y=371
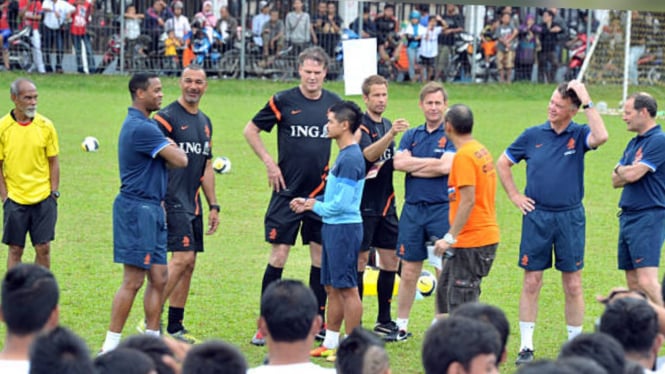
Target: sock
x=111, y=342
x=332, y=339
x=402, y=324
x=152, y=332
x=361, y=284
x=384, y=291
x=270, y=275
x=573, y=331
x=526, y=334
x=176, y=316
x=319, y=290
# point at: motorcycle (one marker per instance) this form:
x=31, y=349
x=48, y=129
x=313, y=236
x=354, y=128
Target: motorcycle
x=577, y=53
x=111, y=53
x=465, y=56
x=20, y=49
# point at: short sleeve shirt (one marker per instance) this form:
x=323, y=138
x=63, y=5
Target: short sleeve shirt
x=649, y=191
x=379, y=194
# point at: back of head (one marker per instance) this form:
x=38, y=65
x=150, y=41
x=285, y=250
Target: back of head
x=29, y=297
x=599, y=347
x=580, y=365
x=361, y=352
x=347, y=111
x=460, y=118
x=632, y=322
x=487, y=313
x=288, y=308
x=152, y=346
x=60, y=351
x=543, y=367
x=214, y=357
x=125, y=361
x=471, y=338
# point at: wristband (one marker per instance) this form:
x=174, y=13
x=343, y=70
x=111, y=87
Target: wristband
x=448, y=238
x=215, y=207
x=588, y=106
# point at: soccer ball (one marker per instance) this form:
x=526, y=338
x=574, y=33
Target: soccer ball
x=90, y=144
x=221, y=165
x=426, y=283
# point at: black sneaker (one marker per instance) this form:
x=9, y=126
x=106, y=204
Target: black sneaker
x=397, y=336
x=524, y=357
x=387, y=328
x=321, y=335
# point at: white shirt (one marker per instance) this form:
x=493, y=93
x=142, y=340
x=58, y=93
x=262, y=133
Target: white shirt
x=14, y=366
x=257, y=27
x=180, y=26
x=429, y=46
x=62, y=7
x=304, y=368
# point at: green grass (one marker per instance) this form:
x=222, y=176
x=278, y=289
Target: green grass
x=225, y=290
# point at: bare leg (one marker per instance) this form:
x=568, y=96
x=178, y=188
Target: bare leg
x=132, y=281
x=14, y=257
x=572, y=287
x=152, y=298
x=181, y=268
x=533, y=282
x=43, y=255
x=407, y=287
x=335, y=309
x=353, y=308
x=647, y=281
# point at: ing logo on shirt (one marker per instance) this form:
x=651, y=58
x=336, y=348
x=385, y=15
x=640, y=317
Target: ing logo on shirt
x=638, y=156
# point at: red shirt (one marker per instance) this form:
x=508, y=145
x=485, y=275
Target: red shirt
x=32, y=8
x=4, y=21
x=80, y=18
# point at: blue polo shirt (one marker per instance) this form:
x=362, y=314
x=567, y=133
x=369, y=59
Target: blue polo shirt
x=422, y=143
x=143, y=175
x=648, y=191
x=554, y=164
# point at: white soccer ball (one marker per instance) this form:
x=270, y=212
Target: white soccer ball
x=221, y=165
x=90, y=144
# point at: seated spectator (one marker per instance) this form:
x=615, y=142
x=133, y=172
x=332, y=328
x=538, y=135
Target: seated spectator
x=259, y=20
x=273, y=34
x=460, y=345
x=125, y=361
x=214, y=357
x=60, y=351
x=178, y=23
x=362, y=352
x=369, y=26
x=599, y=347
x=29, y=306
x=206, y=17
x=386, y=24
x=492, y=315
x=228, y=29
x=289, y=322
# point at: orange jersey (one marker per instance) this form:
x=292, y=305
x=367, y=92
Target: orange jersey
x=473, y=165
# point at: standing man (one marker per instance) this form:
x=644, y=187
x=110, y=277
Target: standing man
x=641, y=174
x=377, y=140
x=553, y=214
x=342, y=226
x=56, y=14
x=30, y=12
x=139, y=226
x=30, y=176
x=425, y=155
x=304, y=152
x=474, y=233
x=191, y=130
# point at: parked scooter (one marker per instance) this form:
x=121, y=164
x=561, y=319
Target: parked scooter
x=112, y=52
x=20, y=49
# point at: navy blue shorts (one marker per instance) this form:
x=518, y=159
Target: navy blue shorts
x=282, y=224
x=641, y=236
x=139, y=233
x=185, y=232
x=379, y=232
x=339, y=261
x=545, y=231
x=417, y=225
x=37, y=219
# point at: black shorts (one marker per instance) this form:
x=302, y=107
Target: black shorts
x=379, y=232
x=282, y=224
x=427, y=61
x=185, y=232
x=37, y=219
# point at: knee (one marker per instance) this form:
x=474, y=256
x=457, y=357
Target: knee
x=532, y=284
x=646, y=281
x=278, y=257
x=410, y=272
x=363, y=258
x=15, y=251
x=43, y=249
x=573, y=288
x=132, y=285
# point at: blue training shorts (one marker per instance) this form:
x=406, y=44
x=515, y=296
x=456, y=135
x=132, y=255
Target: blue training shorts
x=6, y=33
x=561, y=231
x=139, y=233
x=417, y=225
x=641, y=236
x=339, y=260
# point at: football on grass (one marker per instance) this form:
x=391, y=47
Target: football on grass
x=90, y=144
x=221, y=165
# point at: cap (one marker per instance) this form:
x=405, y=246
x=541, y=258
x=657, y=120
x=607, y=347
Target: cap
x=263, y=4
x=178, y=5
x=414, y=14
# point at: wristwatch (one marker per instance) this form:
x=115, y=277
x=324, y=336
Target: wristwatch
x=215, y=207
x=588, y=106
x=448, y=238
x=55, y=194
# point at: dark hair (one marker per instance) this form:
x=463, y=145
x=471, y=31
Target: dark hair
x=490, y=314
x=580, y=365
x=125, y=361
x=457, y=339
x=567, y=93
x=288, y=308
x=600, y=347
x=29, y=296
x=644, y=100
x=214, y=357
x=460, y=118
x=347, y=111
x=315, y=53
x=544, y=366
x=140, y=81
x=152, y=346
x=632, y=322
x=391, y=6
x=371, y=81
x=60, y=351
x=361, y=352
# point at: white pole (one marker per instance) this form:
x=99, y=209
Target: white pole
x=589, y=52
x=243, y=39
x=121, y=60
x=626, y=58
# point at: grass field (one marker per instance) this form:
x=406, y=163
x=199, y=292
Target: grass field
x=225, y=290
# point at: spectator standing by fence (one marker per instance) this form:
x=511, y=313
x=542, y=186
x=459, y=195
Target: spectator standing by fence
x=81, y=17
x=506, y=36
x=527, y=48
x=330, y=30
x=155, y=19
x=178, y=23
x=227, y=27
x=56, y=15
x=30, y=12
x=299, y=30
x=548, y=60
x=453, y=24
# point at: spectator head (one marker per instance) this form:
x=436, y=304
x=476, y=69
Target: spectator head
x=274, y=15
x=580, y=365
x=599, y=347
x=178, y=7
x=29, y=300
x=297, y=4
x=362, y=352
x=505, y=18
x=158, y=5
x=389, y=10
x=316, y=54
x=131, y=9
x=474, y=348
x=289, y=312
x=264, y=6
x=634, y=324
x=569, y=94
x=125, y=361
x=414, y=16
x=548, y=15
x=331, y=7
x=460, y=119
x=214, y=357
x=60, y=351
x=451, y=9
x=154, y=347
x=323, y=8
x=492, y=315
x=543, y=367
x=344, y=112
x=642, y=100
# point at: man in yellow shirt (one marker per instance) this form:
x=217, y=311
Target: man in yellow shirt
x=30, y=175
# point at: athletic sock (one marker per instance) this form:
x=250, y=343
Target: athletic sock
x=332, y=339
x=384, y=291
x=152, y=332
x=270, y=275
x=526, y=334
x=319, y=290
x=361, y=284
x=402, y=324
x=176, y=316
x=111, y=342
x=573, y=331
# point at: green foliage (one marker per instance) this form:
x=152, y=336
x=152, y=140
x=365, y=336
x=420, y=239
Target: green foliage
x=224, y=300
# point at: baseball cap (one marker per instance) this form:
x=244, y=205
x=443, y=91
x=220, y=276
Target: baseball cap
x=415, y=14
x=263, y=4
x=178, y=4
